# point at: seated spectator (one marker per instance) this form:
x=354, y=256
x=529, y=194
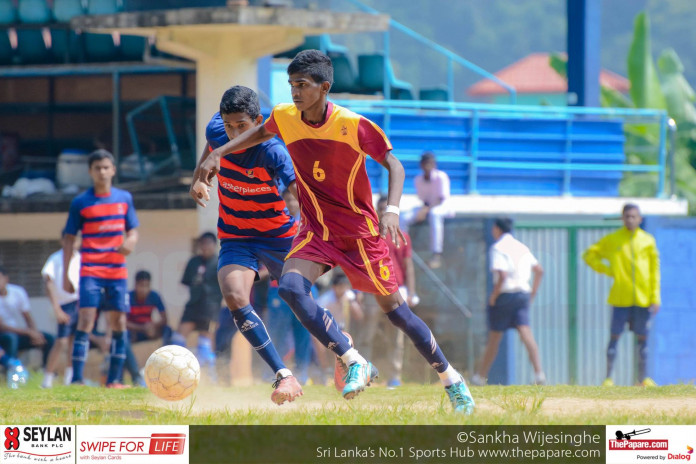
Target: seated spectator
x=17, y=328
x=143, y=302
x=433, y=189
x=65, y=308
x=141, y=327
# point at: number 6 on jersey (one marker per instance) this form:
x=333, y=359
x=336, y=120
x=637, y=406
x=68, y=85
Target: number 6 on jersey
x=318, y=172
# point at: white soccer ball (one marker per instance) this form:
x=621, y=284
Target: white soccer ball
x=172, y=372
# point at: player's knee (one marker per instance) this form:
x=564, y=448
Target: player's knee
x=292, y=287
x=235, y=299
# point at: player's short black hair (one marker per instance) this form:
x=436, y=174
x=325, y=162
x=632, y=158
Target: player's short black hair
x=313, y=63
x=98, y=155
x=3, y=271
x=339, y=278
x=629, y=207
x=142, y=275
x=504, y=224
x=427, y=156
x=208, y=236
x=240, y=99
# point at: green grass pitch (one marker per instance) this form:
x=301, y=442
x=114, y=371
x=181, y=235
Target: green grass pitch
x=407, y=405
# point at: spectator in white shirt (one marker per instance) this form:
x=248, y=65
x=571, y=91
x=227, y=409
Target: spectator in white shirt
x=433, y=189
x=512, y=265
x=17, y=328
x=65, y=308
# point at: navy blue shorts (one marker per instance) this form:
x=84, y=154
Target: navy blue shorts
x=67, y=330
x=510, y=310
x=115, y=294
x=638, y=320
x=249, y=253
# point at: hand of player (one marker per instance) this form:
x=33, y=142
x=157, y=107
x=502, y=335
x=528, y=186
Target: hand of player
x=125, y=249
x=67, y=285
x=209, y=168
x=62, y=317
x=491, y=300
x=36, y=338
x=199, y=192
x=654, y=308
x=390, y=225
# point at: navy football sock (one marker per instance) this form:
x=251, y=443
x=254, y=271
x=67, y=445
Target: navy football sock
x=611, y=354
x=79, y=354
x=118, y=356
x=642, y=358
x=253, y=329
x=295, y=290
x=421, y=336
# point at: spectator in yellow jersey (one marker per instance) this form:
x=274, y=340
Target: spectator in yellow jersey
x=630, y=257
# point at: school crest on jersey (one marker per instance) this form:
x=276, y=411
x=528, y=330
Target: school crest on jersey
x=344, y=130
x=250, y=173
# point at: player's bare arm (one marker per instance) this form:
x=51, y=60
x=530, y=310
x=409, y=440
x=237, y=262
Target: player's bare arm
x=292, y=187
x=68, y=248
x=129, y=242
x=198, y=190
x=390, y=221
x=211, y=166
x=52, y=292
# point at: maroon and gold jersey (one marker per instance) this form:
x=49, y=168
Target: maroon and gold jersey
x=329, y=159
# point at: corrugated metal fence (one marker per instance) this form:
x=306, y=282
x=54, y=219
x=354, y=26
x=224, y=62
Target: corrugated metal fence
x=570, y=317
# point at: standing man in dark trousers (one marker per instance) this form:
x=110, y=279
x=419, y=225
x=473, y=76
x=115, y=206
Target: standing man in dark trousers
x=629, y=256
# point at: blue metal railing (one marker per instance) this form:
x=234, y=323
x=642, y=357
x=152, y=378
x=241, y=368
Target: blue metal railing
x=571, y=115
x=452, y=57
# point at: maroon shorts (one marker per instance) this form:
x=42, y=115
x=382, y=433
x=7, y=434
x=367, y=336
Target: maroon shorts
x=365, y=260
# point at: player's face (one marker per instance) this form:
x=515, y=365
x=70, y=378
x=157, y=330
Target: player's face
x=496, y=232
x=142, y=288
x=632, y=219
x=102, y=172
x=306, y=93
x=4, y=280
x=238, y=123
